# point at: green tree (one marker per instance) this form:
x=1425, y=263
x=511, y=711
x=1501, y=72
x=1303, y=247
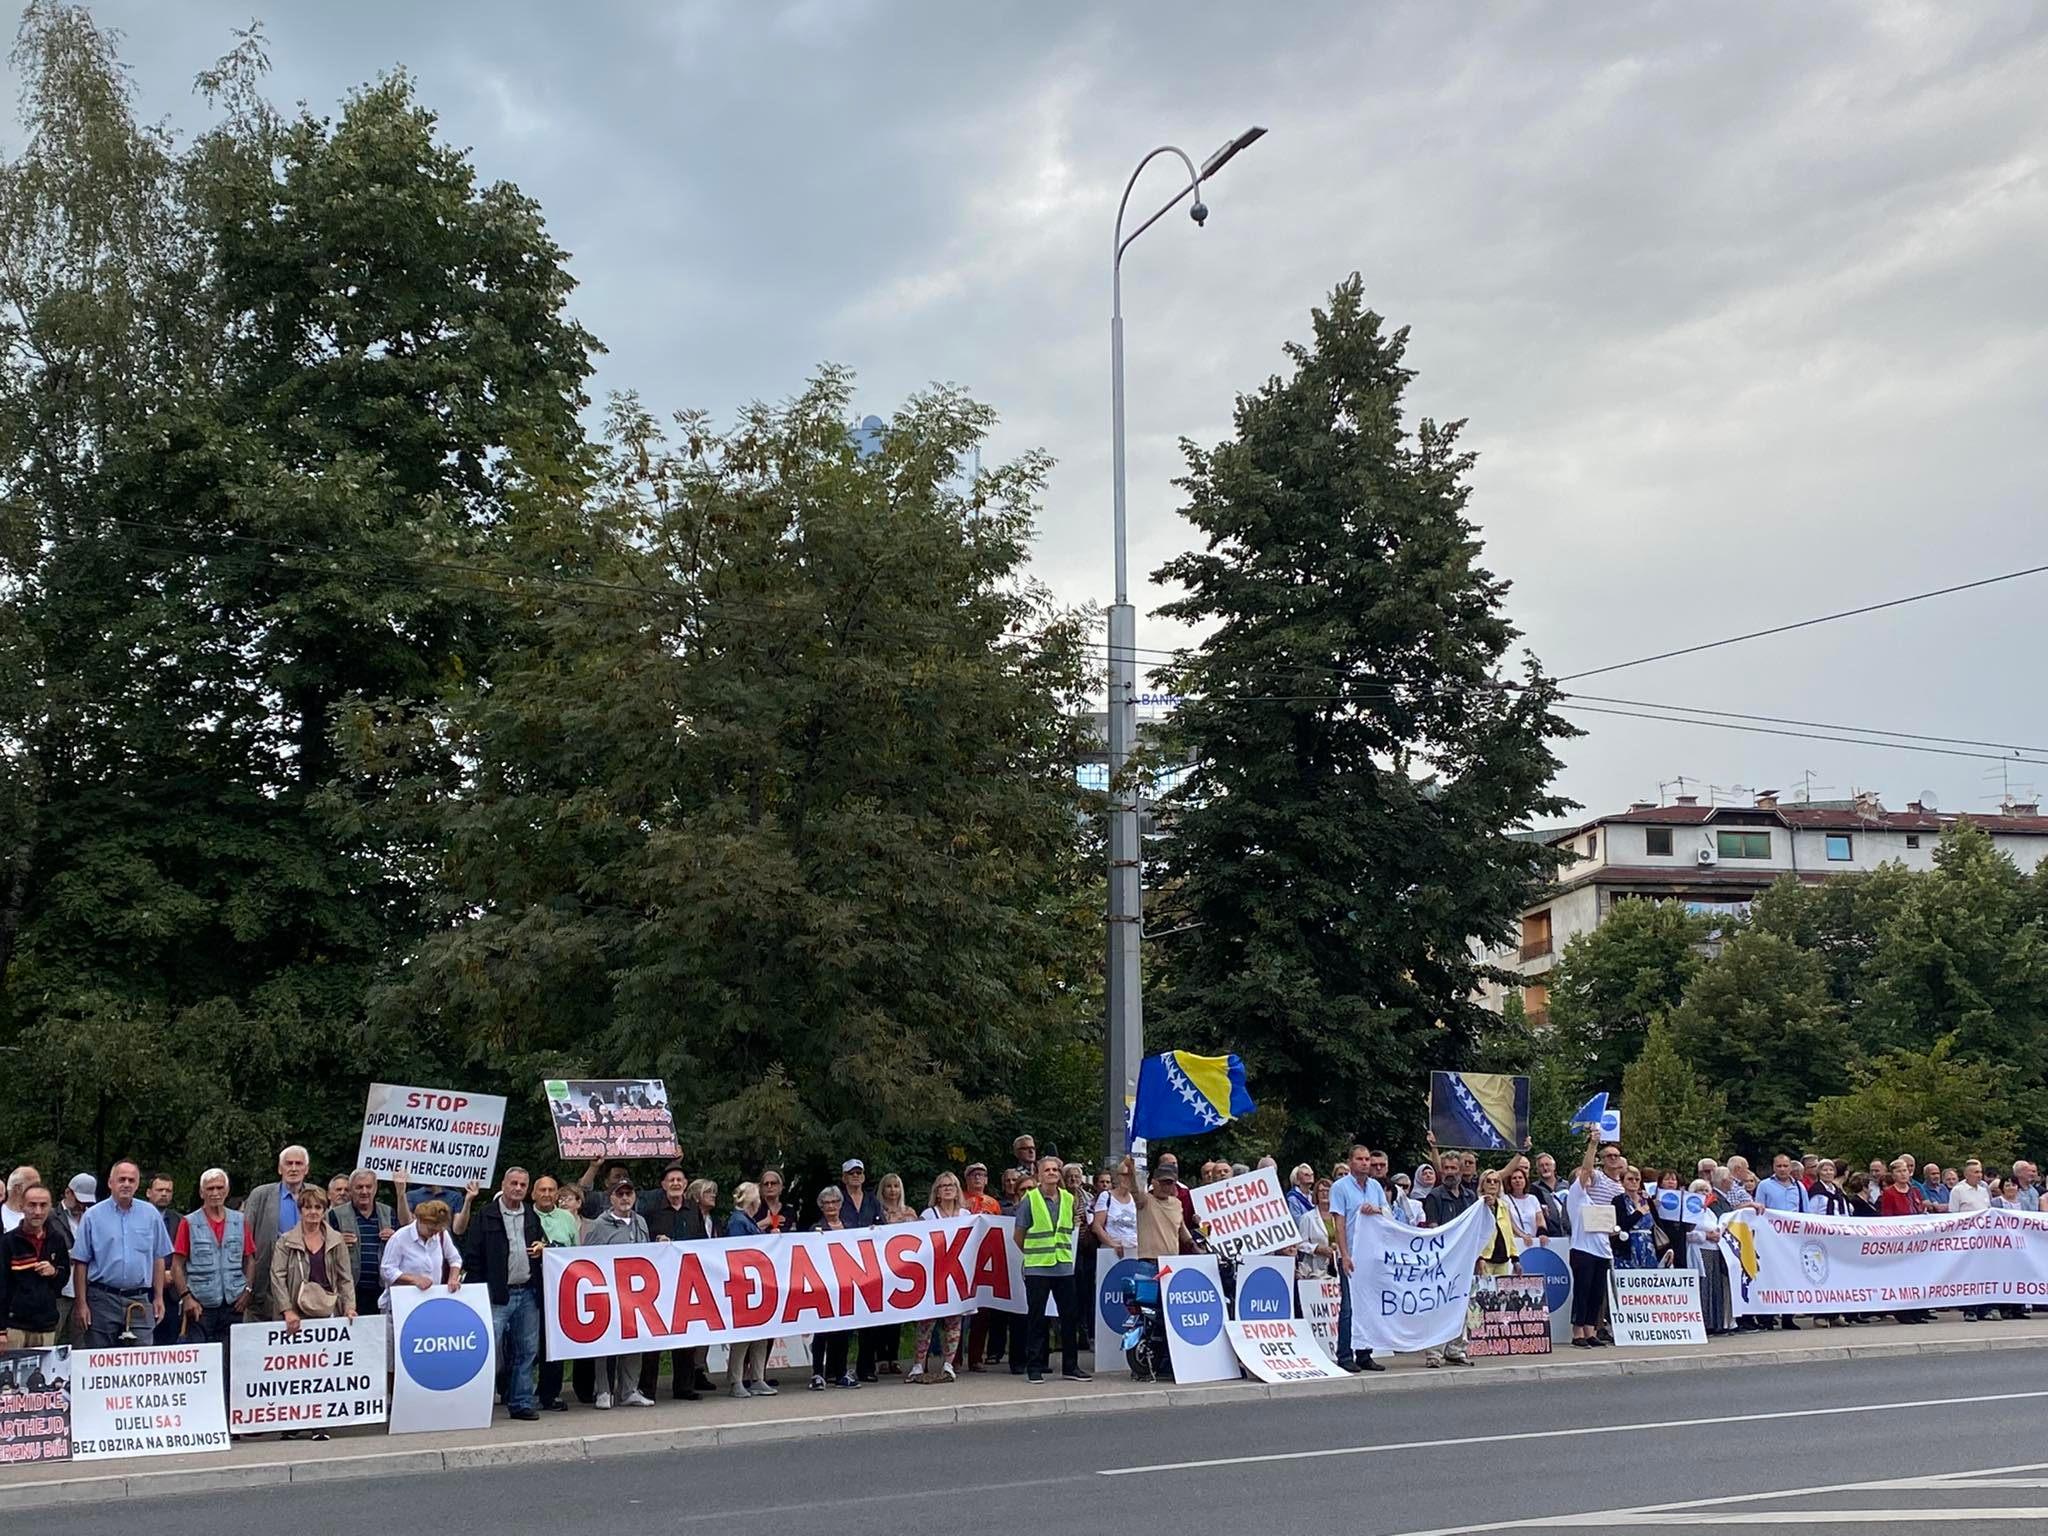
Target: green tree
x=780, y=804
x=261, y=411
x=1838, y=921
x=1758, y=1018
x=1933, y=1103
x=1670, y=1117
x=1346, y=833
x=1609, y=983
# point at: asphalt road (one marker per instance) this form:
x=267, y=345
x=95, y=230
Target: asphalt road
x=1927, y=1442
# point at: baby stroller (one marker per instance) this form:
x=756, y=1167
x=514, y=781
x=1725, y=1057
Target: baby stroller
x=1144, y=1337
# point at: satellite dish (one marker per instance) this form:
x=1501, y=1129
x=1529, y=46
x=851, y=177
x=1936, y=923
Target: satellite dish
x=1927, y=800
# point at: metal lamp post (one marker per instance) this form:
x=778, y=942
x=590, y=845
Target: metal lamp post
x=1126, y=1045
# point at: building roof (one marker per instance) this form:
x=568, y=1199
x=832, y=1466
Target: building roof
x=1813, y=819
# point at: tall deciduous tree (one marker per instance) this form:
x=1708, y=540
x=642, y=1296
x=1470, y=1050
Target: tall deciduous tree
x=1671, y=1117
x=267, y=400
x=1609, y=984
x=1362, y=760
x=1932, y=1103
x=780, y=806
x=1758, y=1018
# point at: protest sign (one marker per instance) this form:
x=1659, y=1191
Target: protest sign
x=1265, y=1290
x=611, y=1117
x=1191, y=1295
x=1545, y=1259
x=1246, y=1214
x=1282, y=1351
x=1487, y=1111
x=444, y=1354
x=431, y=1135
x=641, y=1296
x=1681, y=1207
x=1410, y=1285
x=1780, y=1263
x=35, y=1406
x=1322, y=1304
x=1113, y=1277
x=330, y=1372
x=1508, y=1315
x=147, y=1402
x=1656, y=1306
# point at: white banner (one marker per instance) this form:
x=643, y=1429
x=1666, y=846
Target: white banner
x=330, y=1372
x=1656, y=1306
x=1779, y=1262
x=1410, y=1285
x=1191, y=1295
x=1246, y=1214
x=1322, y=1304
x=639, y=1296
x=1282, y=1351
x=445, y=1357
x=433, y=1135
x=147, y=1402
x=1265, y=1289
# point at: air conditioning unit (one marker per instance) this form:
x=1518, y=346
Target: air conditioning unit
x=1707, y=857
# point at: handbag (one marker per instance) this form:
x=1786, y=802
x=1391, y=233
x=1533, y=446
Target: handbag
x=315, y=1300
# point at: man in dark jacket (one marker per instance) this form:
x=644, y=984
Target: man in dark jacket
x=861, y=1207
x=35, y=1258
x=502, y=1248
x=670, y=1220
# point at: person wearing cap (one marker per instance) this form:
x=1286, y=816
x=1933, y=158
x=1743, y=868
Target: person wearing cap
x=117, y=1266
x=620, y=1223
x=1168, y=1170
x=984, y=1328
x=81, y=1192
x=860, y=1207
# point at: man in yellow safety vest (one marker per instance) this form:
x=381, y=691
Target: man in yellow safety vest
x=1046, y=1220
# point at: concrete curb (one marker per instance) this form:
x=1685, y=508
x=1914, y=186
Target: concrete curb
x=592, y=1447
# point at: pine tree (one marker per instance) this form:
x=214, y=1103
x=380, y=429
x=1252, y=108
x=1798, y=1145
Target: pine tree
x=1344, y=838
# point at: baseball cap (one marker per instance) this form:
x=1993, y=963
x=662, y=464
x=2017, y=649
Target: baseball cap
x=85, y=1189
x=852, y=1163
x=977, y=1168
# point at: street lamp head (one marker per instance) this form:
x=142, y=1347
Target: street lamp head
x=1200, y=212
x=1221, y=158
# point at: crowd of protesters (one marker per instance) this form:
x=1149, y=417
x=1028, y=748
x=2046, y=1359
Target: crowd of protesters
x=119, y=1265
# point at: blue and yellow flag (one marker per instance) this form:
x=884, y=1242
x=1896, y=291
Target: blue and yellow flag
x=1487, y=1111
x=1182, y=1094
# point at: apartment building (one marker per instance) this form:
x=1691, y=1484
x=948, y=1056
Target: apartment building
x=1719, y=858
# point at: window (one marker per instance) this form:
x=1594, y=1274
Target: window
x=1657, y=842
x=1841, y=847
x=1536, y=1004
x=1912, y=839
x=1743, y=845
x=1536, y=935
x=1592, y=845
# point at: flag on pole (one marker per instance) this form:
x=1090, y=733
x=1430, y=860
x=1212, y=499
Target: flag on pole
x=1182, y=1094
x=1595, y=1115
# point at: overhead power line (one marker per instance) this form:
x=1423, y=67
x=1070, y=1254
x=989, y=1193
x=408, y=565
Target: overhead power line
x=1826, y=618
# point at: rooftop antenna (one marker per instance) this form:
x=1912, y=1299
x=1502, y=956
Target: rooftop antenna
x=1808, y=787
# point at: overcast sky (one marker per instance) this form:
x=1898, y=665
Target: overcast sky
x=1745, y=303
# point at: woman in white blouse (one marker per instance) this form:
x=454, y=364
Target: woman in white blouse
x=1526, y=1209
x=421, y=1253
x=1116, y=1217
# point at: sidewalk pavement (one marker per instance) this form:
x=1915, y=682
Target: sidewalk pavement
x=585, y=1434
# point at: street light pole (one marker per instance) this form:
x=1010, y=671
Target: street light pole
x=1126, y=1043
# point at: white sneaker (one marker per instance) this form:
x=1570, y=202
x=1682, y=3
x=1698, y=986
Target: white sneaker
x=637, y=1400
x=760, y=1389
x=947, y=1374
x=604, y=1400
x=739, y=1390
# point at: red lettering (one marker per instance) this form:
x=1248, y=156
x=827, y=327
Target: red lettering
x=807, y=1289
x=583, y=1304
x=696, y=1299
x=639, y=1287
x=750, y=1289
x=948, y=1245
x=992, y=1266
x=900, y=1253
x=856, y=1268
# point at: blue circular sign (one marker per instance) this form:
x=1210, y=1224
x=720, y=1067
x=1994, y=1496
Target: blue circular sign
x=443, y=1344
x=1264, y=1296
x=1557, y=1276
x=1671, y=1204
x=1115, y=1280
x=1194, y=1310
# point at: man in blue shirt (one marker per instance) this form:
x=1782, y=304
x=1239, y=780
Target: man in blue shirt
x=1782, y=1191
x=1355, y=1196
x=117, y=1266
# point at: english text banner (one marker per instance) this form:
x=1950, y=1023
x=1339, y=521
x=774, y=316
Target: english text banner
x=1779, y=1262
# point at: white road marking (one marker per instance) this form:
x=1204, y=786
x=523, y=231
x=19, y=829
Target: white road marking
x=1566, y=1434
x=1776, y=1517
x=1713, y=1510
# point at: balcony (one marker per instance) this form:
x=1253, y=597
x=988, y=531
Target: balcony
x=1536, y=949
